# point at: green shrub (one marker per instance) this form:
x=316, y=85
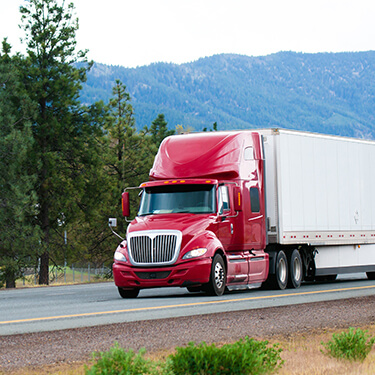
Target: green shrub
x=246, y=356
x=353, y=345
x=117, y=361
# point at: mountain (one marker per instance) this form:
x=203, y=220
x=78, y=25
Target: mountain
x=332, y=93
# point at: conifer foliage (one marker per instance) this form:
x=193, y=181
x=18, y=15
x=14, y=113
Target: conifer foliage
x=63, y=165
x=60, y=128
x=18, y=235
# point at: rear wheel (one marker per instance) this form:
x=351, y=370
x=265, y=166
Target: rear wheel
x=295, y=269
x=280, y=279
x=216, y=285
x=128, y=293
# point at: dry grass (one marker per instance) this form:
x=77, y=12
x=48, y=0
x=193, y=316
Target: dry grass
x=301, y=353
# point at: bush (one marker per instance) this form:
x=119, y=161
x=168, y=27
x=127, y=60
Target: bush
x=117, y=361
x=353, y=345
x=243, y=357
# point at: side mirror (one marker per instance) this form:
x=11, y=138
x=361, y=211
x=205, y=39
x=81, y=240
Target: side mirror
x=237, y=198
x=112, y=222
x=125, y=204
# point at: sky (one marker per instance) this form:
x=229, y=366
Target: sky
x=134, y=33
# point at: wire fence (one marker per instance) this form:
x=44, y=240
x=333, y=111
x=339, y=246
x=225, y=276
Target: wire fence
x=68, y=275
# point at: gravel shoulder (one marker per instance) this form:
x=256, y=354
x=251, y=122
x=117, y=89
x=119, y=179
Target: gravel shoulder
x=75, y=345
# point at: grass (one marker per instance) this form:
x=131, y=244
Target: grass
x=71, y=277
x=301, y=353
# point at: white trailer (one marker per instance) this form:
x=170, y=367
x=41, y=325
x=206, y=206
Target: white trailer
x=320, y=194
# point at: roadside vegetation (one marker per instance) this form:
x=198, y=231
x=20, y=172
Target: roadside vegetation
x=300, y=354
x=246, y=356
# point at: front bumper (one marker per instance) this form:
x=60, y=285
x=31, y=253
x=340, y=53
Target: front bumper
x=184, y=274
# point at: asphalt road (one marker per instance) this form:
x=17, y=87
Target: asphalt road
x=63, y=307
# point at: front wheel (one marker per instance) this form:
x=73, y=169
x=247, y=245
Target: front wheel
x=216, y=285
x=128, y=293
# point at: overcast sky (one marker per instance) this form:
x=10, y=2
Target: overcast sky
x=139, y=32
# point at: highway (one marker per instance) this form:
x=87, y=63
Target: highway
x=71, y=306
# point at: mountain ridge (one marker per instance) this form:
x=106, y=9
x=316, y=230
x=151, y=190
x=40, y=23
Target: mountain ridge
x=332, y=93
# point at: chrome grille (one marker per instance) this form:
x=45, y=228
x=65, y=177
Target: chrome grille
x=154, y=247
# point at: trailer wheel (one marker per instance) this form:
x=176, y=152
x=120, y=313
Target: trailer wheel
x=216, y=285
x=295, y=269
x=128, y=293
x=280, y=279
x=370, y=275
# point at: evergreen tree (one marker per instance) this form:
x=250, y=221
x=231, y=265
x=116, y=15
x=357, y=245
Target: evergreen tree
x=129, y=156
x=18, y=235
x=159, y=130
x=62, y=130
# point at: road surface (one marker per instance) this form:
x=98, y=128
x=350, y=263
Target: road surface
x=62, y=307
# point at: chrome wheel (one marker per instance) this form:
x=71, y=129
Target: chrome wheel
x=295, y=269
x=282, y=270
x=216, y=285
x=219, y=275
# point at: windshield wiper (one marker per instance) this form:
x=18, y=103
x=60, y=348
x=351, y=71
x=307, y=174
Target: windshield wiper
x=146, y=214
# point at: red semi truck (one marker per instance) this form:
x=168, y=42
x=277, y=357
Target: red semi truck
x=234, y=210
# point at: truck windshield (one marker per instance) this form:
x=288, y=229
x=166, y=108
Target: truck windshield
x=195, y=199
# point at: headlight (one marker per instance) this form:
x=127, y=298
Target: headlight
x=195, y=253
x=120, y=257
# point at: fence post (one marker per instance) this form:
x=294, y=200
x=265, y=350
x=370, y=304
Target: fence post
x=89, y=272
x=74, y=279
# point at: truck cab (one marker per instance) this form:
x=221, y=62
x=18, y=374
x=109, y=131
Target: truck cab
x=201, y=220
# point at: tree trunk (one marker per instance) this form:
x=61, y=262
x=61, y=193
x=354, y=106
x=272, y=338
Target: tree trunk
x=10, y=281
x=44, y=219
x=44, y=269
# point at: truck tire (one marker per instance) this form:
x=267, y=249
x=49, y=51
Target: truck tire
x=370, y=275
x=280, y=278
x=128, y=293
x=295, y=269
x=216, y=285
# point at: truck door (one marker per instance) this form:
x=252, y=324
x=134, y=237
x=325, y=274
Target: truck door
x=255, y=236
x=224, y=210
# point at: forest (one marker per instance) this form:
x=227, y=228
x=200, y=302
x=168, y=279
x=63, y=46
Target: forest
x=64, y=164
x=332, y=93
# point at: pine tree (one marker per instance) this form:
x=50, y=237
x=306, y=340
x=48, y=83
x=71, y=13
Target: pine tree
x=129, y=156
x=18, y=233
x=61, y=129
x=159, y=130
